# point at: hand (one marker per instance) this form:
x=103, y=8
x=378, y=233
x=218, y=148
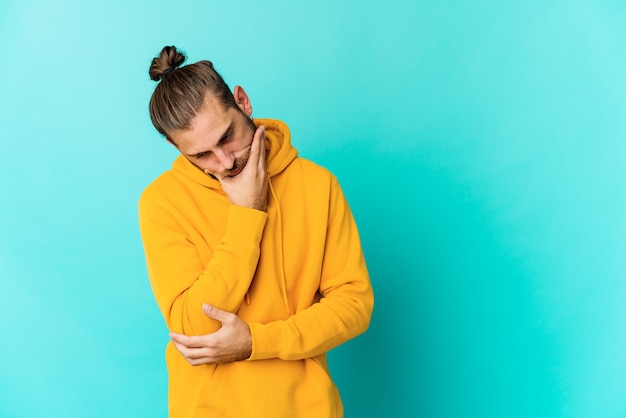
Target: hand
x=249, y=187
x=232, y=342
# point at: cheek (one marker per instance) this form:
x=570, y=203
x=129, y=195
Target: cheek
x=243, y=154
x=241, y=146
x=209, y=165
x=240, y=150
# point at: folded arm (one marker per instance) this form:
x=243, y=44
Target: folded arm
x=343, y=312
x=182, y=284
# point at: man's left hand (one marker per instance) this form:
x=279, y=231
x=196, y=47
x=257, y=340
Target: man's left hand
x=232, y=342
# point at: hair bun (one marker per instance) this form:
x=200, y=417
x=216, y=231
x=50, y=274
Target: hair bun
x=168, y=60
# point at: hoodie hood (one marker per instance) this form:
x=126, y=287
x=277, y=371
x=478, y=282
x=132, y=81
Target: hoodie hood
x=280, y=153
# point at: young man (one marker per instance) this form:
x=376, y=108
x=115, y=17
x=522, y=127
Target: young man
x=253, y=256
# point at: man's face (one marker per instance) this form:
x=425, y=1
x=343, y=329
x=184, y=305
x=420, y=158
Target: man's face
x=218, y=141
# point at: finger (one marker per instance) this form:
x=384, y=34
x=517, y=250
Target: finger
x=179, y=338
x=192, y=354
x=202, y=360
x=183, y=349
x=186, y=340
x=255, y=147
x=261, y=151
x=193, y=351
x=217, y=314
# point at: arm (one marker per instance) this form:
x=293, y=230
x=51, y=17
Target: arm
x=343, y=312
x=180, y=282
x=345, y=308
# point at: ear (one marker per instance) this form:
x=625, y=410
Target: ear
x=242, y=100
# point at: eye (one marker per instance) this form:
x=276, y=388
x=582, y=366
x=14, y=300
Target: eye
x=225, y=140
x=201, y=155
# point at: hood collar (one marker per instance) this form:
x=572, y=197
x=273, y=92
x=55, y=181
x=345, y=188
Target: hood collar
x=280, y=153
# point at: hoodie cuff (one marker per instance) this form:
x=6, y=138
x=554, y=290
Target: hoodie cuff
x=244, y=223
x=266, y=341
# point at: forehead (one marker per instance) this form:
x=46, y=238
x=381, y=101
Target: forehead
x=206, y=128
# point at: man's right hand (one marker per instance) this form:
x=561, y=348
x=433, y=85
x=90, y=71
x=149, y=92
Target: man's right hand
x=249, y=187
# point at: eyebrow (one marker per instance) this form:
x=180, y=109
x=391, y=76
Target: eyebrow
x=227, y=133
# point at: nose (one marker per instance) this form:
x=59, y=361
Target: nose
x=226, y=159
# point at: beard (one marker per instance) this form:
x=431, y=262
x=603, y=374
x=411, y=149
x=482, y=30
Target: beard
x=238, y=165
x=240, y=162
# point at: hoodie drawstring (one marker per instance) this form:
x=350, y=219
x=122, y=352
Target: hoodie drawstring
x=281, y=263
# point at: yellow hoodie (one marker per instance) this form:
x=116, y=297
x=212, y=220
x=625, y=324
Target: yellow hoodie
x=296, y=274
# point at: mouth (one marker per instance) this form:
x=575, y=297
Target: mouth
x=238, y=169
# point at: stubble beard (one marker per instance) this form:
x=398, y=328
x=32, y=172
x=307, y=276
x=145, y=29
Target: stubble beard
x=243, y=160
x=238, y=165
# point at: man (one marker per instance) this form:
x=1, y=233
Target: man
x=252, y=253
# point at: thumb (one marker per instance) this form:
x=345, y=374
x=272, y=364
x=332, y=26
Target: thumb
x=215, y=313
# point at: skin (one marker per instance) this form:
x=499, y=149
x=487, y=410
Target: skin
x=232, y=342
x=223, y=143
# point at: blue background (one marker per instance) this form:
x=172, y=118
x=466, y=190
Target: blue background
x=480, y=144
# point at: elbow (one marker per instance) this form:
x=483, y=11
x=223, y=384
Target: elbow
x=178, y=318
x=186, y=316
x=368, y=311
x=365, y=309
x=174, y=316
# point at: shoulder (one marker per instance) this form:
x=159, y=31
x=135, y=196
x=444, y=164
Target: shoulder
x=313, y=180
x=309, y=168
x=159, y=189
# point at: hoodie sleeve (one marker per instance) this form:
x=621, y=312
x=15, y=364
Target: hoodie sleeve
x=181, y=284
x=347, y=302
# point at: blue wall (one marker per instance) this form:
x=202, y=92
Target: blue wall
x=481, y=145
